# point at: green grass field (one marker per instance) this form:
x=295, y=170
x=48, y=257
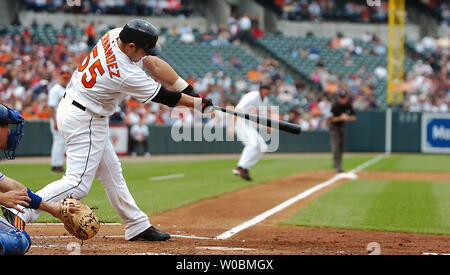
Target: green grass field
x=203, y=179
x=422, y=207
x=397, y=206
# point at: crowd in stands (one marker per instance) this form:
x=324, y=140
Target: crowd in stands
x=233, y=32
x=427, y=86
x=323, y=10
x=441, y=8
x=28, y=70
x=128, y=7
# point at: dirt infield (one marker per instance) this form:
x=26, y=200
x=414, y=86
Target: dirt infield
x=194, y=228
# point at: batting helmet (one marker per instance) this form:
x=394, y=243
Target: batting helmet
x=11, y=116
x=143, y=34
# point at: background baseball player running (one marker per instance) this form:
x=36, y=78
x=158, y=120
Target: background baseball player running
x=55, y=95
x=113, y=70
x=246, y=131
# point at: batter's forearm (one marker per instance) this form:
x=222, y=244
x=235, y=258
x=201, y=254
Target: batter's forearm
x=188, y=101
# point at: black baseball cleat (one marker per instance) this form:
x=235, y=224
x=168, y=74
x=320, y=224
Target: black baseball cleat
x=243, y=173
x=151, y=234
x=13, y=219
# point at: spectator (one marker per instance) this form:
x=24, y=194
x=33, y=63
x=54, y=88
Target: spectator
x=379, y=49
x=187, y=37
x=131, y=116
x=257, y=32
x=91, y=34
x=336, y=41
x=245, y=25
x=254, y=75
x=217, y=60
x=241, y=84
x=234, y=61
x=314, y=11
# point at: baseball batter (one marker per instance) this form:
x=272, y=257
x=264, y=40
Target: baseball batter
x=58, y=144
x=246, y=131
x=111, y=71
x=13, y=239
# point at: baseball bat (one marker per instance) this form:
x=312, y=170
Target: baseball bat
x=273, y=123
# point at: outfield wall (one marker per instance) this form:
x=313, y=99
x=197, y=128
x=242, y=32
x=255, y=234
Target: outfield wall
x=367, y=134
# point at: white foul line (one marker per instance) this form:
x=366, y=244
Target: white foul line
x=295, y=199
x=174, y=176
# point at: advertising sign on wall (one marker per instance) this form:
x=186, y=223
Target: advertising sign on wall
x=436, y=133
x=119, y=138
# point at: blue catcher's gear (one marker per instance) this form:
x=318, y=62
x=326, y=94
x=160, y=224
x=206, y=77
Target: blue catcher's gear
x=14, y=242
x=11, y=116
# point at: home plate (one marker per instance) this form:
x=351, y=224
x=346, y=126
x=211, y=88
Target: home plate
x=222, y=248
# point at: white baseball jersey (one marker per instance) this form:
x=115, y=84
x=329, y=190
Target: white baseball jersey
x=139, y=132
x=107, y=75
x=250, y=102
x=254, y=144
x=102, y=80
x=55, y=94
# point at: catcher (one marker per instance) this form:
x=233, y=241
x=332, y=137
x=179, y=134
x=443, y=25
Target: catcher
x=13, y=239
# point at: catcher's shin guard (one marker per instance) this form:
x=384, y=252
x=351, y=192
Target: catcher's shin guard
x=14, y=242
x=13, y=219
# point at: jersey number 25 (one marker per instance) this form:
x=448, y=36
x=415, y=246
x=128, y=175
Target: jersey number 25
x=97, y=65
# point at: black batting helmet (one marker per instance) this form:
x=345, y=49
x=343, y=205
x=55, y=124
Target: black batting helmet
x=143, y=34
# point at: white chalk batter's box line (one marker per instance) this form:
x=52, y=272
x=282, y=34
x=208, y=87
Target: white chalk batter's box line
x=121, y=237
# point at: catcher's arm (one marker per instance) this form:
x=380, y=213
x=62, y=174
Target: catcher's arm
x=15, y=195
x=54, y=208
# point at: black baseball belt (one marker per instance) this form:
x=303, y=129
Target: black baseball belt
x=78, y=105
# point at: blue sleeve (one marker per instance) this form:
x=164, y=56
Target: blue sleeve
x=35, y=199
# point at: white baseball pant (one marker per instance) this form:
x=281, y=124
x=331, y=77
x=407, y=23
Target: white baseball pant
x=254, y=144
x=90, y=153
x=58, y=147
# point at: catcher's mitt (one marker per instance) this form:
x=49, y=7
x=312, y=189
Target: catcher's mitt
x=82, y=224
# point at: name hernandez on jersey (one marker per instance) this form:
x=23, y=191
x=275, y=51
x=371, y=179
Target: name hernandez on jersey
x=107, y=75
x=110, y=57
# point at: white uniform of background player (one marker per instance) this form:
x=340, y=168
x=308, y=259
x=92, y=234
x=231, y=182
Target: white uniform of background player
x=139, y=133
x=246, y=131
x=55, y=95
x=99, y=84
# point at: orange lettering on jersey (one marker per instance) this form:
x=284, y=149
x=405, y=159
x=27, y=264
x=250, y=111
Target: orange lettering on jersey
x=113, y=72
x=108, y=52
x=110, y=57
x=105, y=38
